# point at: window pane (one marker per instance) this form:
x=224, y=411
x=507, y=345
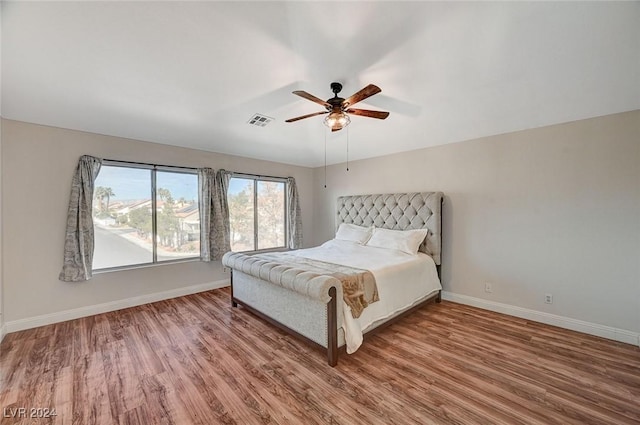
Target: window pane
x=178, y=216
x=122, y=217
x=240, y=199
x=271, y=214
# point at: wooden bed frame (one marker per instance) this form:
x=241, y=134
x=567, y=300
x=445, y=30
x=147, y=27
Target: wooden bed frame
x=419, y=210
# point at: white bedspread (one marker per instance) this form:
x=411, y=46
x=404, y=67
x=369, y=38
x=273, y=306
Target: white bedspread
x=403, y=280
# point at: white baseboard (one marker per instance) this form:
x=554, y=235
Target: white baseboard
x=603, y=331
x=76, y=313
x=3, y=331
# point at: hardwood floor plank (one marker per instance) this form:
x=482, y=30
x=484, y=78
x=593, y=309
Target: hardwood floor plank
x=90, y=391
x=143, y=356
x=191, y=391
x=124, y=391
x=163, y=404
x=195, y=360
x=62, y=397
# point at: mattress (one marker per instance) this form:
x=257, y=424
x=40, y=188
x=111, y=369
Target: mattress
x=403, y=280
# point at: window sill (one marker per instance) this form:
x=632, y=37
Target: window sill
x=260, y=251
x=146, y=265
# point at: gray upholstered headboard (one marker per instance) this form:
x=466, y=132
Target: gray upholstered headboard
x=397, y=211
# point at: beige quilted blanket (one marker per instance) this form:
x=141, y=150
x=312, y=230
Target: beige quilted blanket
x=358, y=285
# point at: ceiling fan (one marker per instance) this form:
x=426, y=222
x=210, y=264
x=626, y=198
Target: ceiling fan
x=338, y=108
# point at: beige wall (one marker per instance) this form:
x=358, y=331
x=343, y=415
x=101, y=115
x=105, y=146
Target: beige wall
x=1, y=238
x=1, y=258
x=550, y=210
x=37, y=165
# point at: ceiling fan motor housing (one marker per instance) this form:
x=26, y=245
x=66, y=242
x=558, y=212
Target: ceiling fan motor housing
x=335, y=102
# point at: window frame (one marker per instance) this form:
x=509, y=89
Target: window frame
x=154, y=168
x=257, y=178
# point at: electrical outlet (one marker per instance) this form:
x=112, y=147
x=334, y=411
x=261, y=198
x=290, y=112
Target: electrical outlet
x=548, y=298
x=488, y=287
x=225, y=269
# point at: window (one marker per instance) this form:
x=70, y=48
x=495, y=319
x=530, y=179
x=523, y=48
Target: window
x=257, y=213
x=144, y=215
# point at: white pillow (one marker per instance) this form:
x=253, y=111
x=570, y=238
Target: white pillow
x=354, y=233
x=403, y=240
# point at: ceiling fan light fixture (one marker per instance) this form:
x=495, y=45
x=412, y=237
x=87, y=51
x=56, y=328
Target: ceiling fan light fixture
x=337, y=120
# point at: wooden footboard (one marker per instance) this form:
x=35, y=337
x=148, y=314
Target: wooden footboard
x=332, y=328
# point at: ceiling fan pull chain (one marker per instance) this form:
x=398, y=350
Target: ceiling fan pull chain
x=325, y=159
x=347, y=148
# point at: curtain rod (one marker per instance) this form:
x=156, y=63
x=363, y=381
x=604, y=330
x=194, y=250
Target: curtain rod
x=190, y=168
x=258, y=175
x=148, y=164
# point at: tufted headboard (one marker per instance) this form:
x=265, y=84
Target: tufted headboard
x=397, y=211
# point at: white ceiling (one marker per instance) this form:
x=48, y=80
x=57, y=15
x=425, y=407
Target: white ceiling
x=193, y=73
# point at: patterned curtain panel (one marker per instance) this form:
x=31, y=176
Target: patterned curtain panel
x=78, y=244
x=294, y=218
x=220, y=226
x=215, y=233
x=206, y=179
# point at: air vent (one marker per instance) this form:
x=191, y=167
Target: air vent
x=260, y=120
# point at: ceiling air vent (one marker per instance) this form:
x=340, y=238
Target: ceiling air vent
x=260, y=120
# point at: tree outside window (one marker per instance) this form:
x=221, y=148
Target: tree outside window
x=257, y=211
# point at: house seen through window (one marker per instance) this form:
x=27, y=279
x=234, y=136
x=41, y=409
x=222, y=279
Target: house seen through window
x=257, y=213
x=144, y=216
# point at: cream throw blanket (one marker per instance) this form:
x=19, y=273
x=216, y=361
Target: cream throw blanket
x=358, y=286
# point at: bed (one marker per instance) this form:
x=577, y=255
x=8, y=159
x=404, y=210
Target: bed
x=302, y=291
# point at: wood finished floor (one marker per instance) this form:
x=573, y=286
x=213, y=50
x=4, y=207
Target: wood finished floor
x=195, y=360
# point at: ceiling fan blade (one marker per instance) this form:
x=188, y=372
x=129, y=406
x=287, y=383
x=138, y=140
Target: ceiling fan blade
x=366, y=92
x=367, y=113
x=312, y=98
x=306, y=116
